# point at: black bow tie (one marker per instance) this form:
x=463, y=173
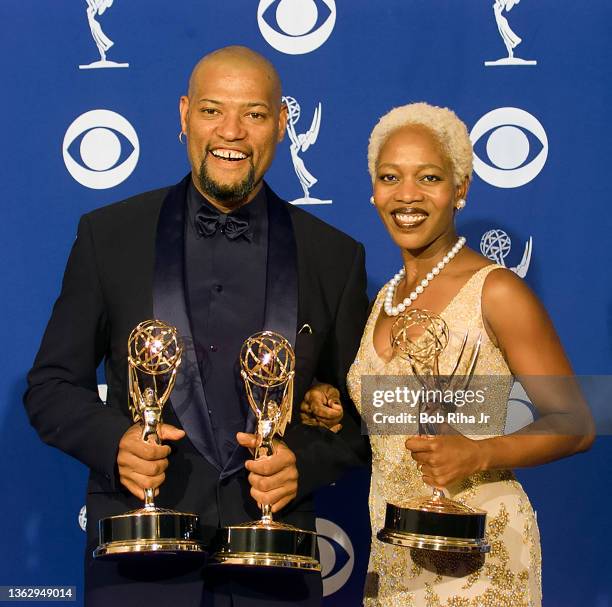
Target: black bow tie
x=208, y=222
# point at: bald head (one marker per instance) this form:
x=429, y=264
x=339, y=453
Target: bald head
x=234, y=58
x=233, y=119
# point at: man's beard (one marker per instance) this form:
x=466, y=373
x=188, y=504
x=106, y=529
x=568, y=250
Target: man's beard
x=226, y=193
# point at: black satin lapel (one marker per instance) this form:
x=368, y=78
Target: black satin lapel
x=169, y=304
x=282, y=277
x=281, y=295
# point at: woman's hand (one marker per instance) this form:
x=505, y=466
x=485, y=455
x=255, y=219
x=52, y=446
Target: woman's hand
x=321, y=407
x=446, y=458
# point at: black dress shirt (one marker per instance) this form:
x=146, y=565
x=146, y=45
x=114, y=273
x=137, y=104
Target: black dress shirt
x=226, y=290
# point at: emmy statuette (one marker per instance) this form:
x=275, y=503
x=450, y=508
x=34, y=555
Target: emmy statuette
x=435, y=522
x=267, y=365
x=154, y=355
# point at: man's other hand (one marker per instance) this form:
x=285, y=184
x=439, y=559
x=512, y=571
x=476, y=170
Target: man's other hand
x=273, y=478
x=142, y=465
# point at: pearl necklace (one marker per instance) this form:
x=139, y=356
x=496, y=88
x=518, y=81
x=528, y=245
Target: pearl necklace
x=392, y=310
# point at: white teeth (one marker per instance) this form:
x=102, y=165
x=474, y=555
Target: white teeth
x=409, y=219
x=228, y=154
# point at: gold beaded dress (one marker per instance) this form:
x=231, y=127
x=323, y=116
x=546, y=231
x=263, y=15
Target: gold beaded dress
x=508, y=576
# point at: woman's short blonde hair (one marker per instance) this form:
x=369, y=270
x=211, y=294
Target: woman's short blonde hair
x=450, y=131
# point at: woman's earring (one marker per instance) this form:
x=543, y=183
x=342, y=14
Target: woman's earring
x=372, y=200
x=180, y=137
x=460, y=204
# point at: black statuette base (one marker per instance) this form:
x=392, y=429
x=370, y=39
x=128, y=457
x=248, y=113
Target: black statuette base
x=450, y=532
x=149, y=532
x=258, y=545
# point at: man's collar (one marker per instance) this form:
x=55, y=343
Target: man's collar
x=254, y=212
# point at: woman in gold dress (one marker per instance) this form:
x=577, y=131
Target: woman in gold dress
x=420, y=161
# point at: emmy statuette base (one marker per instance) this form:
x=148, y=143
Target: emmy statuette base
x=436, y=524
x=145, y=532
x=510, y=61
x=265, y=545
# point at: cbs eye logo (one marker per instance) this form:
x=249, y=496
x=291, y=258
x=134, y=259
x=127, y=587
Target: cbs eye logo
x=337, y=555
x=508, y=147
x=95, y=138
x=304, y=24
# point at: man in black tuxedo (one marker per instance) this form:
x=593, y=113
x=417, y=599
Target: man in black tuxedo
x=220, y=257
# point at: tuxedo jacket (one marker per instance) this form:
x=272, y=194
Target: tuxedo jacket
x=126, y=266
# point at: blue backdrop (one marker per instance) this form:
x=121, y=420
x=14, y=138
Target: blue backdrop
x=86, y=123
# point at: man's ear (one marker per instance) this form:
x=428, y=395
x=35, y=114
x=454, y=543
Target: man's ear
x=184, y=111
x=283, y=115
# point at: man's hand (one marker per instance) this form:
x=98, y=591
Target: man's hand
x=321, y=407
x=142, y=465
x=273, y=478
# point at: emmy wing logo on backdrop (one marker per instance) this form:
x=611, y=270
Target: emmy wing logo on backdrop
x=496, y=244
x=303, y=24
x=337, y=555
x=96, y=136
x=508, y=147
x=300, y=144
x=509, y=38
x=96, y=8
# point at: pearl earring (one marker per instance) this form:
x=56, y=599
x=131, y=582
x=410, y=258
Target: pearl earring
x=180, y=136
x=460, y=204
x=372, y=200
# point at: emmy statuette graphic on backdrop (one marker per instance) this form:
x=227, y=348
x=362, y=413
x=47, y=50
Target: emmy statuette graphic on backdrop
x=496, y=244
x=154, y=355
x=299, y=144
x=267, y=364
x=96, y=8
x=509, y=38
x=435, y=522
